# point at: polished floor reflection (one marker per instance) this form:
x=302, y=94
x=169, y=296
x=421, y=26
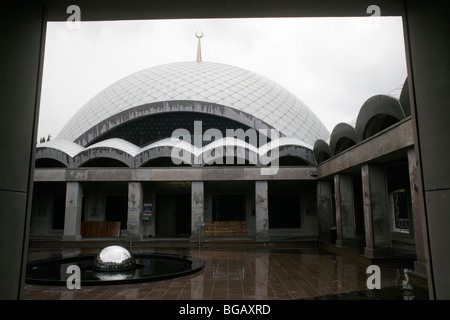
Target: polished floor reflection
x=235, y=272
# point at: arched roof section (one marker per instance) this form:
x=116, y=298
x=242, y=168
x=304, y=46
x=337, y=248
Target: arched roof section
x=206, y=87
x=68, y=147
x=299, y=152
x=376, y=114
x=184, y=152
x=118, y=144
x=116, y=149
x=59, y=150
x=239, y=150
x=179, y=151
x=286, y=147
x=342, y=137
x=322, y=151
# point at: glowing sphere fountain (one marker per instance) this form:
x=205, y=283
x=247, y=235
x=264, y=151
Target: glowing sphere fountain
x=112, y=265
x=114, y=258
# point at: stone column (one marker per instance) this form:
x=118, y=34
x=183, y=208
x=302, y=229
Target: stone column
x=345, y=210
x=135, y=207
x=72, y=221
x=420, y=266
x=198, y=210
x=324, y=207
x=262, y=210
x=376, y=217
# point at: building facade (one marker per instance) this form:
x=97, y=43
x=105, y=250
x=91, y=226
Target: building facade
x=193, y=143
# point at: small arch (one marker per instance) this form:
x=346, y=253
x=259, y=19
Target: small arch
x=161, y=162
x=376, y=114
x=343, y=137
x=321, y=151
x=117, y=157
x=49, y=163
x=286, y=147
x=293, y=161
x=343, y=144
x=103, y=162
x=322, y=156
x=231, y=161
x=180, y=156
x=378, y=123
x=47, y=156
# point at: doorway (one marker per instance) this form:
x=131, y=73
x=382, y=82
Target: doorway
x=173, y=215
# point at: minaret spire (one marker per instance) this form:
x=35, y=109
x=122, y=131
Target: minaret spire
x=199, y=35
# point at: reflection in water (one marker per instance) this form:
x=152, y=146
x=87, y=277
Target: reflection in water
x=223, y=271
x=406, y=287
x=262, y=273
x=115, y=275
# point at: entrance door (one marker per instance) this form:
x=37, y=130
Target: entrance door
x=284, y=211
x=173, y=215
x=116, y=209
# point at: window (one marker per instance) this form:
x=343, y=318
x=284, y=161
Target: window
x=228, y=208
x=401, y=214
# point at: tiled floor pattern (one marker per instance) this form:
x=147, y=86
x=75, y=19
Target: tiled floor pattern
x=234, y=274
x=389, y=293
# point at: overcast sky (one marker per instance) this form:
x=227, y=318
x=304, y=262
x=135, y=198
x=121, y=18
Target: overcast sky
x=332, y=64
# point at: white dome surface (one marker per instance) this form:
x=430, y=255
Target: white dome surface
x=202, y=81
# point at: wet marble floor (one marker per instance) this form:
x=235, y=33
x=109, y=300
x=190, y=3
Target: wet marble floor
x=239, y=272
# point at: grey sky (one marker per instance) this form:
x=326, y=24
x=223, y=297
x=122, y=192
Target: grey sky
x=332, y=64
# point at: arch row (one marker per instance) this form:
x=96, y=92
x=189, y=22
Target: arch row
x=375, y=115
x=121, y=153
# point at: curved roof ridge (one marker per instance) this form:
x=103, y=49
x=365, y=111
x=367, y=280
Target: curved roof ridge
x=229, y=141
x=68, y=147
x=119, y=144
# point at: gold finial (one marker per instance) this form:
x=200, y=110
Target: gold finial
x=199, y=35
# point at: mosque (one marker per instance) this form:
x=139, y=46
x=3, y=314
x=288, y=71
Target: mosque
x=378, y=185
x=203, y=150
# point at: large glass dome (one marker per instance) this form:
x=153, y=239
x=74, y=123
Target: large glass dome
x=225, y=86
